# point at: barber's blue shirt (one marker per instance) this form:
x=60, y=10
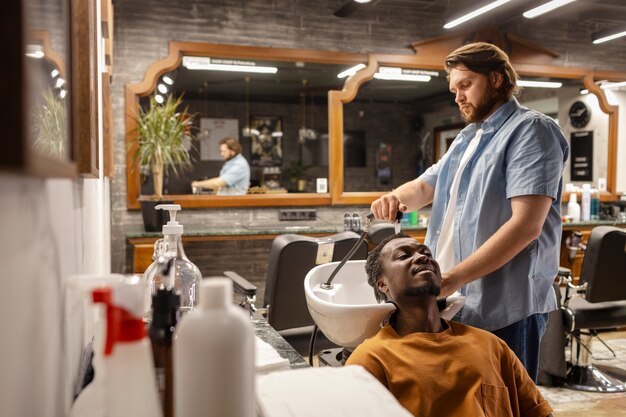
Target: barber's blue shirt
x=236, y=174
x=521, y=152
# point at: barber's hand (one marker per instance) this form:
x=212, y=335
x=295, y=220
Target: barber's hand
x=385, y=207
x=449, y=285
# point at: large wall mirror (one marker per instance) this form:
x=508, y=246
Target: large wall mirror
x=274, y=101
x=399, y=113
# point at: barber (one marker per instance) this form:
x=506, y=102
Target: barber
x=495, y=220
x=234, y=176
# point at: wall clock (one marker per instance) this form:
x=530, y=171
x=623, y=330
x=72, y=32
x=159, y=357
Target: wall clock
x=579, y=114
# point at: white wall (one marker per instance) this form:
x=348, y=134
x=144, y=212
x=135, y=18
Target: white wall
x=50, y=229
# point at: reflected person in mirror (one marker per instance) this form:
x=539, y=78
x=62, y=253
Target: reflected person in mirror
x=234, y=178
x=495, y=224
x=432, y=366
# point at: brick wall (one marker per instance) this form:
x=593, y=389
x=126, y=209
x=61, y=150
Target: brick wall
x=144, y=27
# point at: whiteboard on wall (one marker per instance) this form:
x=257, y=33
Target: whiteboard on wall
x=211, y=132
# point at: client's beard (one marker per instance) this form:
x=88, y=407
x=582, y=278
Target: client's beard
x=423, y=290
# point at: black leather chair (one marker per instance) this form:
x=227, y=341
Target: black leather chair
x=598, y=302
x=291, y=257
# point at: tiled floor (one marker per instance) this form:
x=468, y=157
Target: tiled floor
x=570, y=403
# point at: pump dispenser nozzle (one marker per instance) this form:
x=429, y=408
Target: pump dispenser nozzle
x=172, y=227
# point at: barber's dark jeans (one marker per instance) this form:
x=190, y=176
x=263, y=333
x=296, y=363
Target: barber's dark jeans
x=524, y=337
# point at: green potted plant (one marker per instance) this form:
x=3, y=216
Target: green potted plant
x=50, y=126
x=162, y=141
x=297, y=174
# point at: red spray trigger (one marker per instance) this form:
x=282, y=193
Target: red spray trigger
x=121, y=325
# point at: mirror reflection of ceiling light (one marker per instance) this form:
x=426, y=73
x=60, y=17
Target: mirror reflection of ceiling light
x=59, y=83
x=158, y=98
x=54, y=73
x=351, y=71
x=545, y=8
x=62, y=93
x=167, y=80
x=219, y=64
x=162, y=88
x=613, y=86
x=362, y=1
x=34, y=51
x=584, y=91
x=539, y=84
x=475, y=13
x=605, y=38
x=401, y=74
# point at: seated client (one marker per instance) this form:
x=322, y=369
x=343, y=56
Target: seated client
x=432, y=366
x=234, y=178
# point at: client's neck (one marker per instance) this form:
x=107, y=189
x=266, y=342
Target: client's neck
x=422, y=315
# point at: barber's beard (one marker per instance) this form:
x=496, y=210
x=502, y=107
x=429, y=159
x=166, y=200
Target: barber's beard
x=423, y=290
x=479, y=112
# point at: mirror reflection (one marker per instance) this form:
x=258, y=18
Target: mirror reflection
x=48, y=101
x=395, y=129
x=274, y=112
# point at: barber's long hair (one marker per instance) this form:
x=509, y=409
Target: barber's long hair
x=374, y=265
x=232, y=144
x=485, y=58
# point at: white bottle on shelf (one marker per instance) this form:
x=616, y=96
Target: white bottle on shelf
x=573, y=208
x=214, y=356
x=585, y=212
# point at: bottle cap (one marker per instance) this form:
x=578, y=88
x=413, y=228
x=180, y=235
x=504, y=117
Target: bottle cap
x=215, y=292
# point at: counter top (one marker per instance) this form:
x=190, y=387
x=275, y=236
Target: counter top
x=269, y=335
x=251, y=230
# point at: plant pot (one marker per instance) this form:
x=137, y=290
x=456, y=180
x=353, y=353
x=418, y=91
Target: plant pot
x=153, y=220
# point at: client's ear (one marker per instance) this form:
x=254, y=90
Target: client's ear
x=381, y=284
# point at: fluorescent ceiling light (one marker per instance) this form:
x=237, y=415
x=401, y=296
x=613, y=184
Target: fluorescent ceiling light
x=613, y=86
x=400, y=74
x=363, y=1
x=167, y=80
x=351, y=71
x=475, y=13
x=233, y=65
x=539, y=84
x=609, y=37
x=545, y=8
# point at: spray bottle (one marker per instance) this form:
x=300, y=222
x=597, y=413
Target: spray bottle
x=128, y=367
x=184, y=277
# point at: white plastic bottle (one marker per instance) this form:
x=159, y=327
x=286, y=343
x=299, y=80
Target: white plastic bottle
x=130, y=378
x=573, y=208
x=586, y=203
x=214, y=357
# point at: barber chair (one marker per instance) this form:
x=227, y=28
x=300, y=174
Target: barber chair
x=597, y=303
x=291, y=257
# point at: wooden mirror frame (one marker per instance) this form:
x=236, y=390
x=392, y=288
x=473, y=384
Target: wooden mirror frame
x=176, y=51
x=528, y=60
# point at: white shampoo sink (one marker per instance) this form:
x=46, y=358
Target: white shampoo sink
x=348, y=313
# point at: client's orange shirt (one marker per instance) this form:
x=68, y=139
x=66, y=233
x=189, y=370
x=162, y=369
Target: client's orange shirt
x=462, y=371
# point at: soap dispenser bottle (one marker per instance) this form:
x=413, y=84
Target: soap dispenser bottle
x=183, y=276
x=214, y=370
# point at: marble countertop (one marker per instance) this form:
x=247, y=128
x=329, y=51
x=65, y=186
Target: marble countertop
x=271, y=229
x=269, y=335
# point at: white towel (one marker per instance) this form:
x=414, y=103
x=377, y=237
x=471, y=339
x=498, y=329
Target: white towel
x=267, y=359
x=349, y=391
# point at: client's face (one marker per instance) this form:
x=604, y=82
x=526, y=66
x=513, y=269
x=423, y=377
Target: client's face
x=409, y=270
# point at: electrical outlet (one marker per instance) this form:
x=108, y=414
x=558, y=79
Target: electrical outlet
x=297, y=214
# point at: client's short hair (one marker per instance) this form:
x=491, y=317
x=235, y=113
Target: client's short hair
x=374, y=266
x=232, y=144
